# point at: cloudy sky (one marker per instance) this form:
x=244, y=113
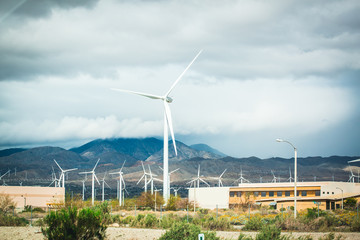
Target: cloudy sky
x=268, y=69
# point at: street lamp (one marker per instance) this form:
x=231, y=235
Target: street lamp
x=342, y=197
x=295, y=172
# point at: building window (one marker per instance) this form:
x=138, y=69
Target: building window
x=232, y=194
x=287, y=193
x=271, y=194
x=256, y=194
x=239, y=194
x=279, y=194
x=317, y=193
x=263, y=194
x=303, y=193
x=332, y=192
x=327, y=192
x=323, y=192
x=297, y=193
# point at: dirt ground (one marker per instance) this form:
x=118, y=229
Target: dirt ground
x=34, y=233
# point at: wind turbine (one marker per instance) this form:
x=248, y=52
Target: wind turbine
x=176, y=190
x=169, y=177
x=121, y=182
x=62, y=176
x=167, y=125
x=275, y=179
x=241, y=178
x=84, y=188
x=145, y=178
x=197, y=180
x=290, y=178
x=103, y=186
x=352, y=176
x=151, y=180
x=220, y=184
x=93, y=177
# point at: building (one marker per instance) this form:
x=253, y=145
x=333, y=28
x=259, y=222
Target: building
x=34, y=196
x=326, y=195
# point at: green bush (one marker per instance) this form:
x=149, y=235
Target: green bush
x=254, y=223
x=244, y=237
x=71, y=224
x=355, y=225
x=270, y=232
x=186, y=231
x=7, y=220
x=150, y=220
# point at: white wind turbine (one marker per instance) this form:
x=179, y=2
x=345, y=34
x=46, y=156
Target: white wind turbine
x=151, y=180
x=145, y=178
x=275, y=179
x=169, y=177
x=62, y=176
x=241, y=178
x=220, y=184
x=290, y=178
x=176, y=190
x=103, y=186
x=55, y=180
x=83, y=188
x=197, y=180
x=120, y=185
x=93, y=177
x=4, y=174
x=167, y=125
x=352, y=176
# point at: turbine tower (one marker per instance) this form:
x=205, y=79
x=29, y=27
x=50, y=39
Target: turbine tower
x=145, y=178
x=151, y=180
x=167, y=125
x=103, y=186
x=290, y=178
x=93, y=177
x=120, y=184
x=241, y=178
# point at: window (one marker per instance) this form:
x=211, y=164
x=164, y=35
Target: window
x=239, y=194
x=332, y=192
x=303, y=193
x=279, y=194
x=323, y=192
x=317, y=193
x=256, y=194
x=263, y=194
x=287, y=193
x=327, y=192
x=271, y=194
x=232, y=194
x=297, y=193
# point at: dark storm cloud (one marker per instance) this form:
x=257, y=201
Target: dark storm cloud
x=40, y=8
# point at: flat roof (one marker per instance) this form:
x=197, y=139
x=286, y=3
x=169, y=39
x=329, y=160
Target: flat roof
x=287, y=184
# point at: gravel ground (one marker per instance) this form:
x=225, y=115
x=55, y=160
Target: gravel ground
x=34, y=233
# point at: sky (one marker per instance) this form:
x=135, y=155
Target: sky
x=268, y=69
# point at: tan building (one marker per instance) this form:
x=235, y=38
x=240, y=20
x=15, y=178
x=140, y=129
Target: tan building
x=34, y=196
x=328, y=195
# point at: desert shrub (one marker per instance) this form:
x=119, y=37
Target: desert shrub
x=6, y=203
x=307, y=237
x=355, y=225
x=270, y=232
x=171, y=204
x=211, y=223
x=350, y=203
x=71, y=224
x=168, y=220
x=331, y=236
x=244, y=237
x=6, y=220
x=186, y=231
x=254, y=223
x=150, y=220
x=128, y=220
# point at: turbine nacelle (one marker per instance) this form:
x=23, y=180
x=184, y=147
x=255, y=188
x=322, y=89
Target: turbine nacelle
x=168, y=99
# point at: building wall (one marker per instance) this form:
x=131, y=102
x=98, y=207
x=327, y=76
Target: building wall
x=210, y=197
x=34, y=196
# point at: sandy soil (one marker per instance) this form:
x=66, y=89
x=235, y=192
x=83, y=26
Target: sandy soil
x=34, y=233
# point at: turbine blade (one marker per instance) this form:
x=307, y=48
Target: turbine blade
x=140, y=179
x=68, y=170
x=58, y=165
x=96, y=178
x=122, y=165
x=107, y=184
x=139, y=93
x=181, y=75
x=169, y=123
x=199, y=171
x=96, y=164
x=143, y=167
x=204, y=182
x=223, y=173
x=174, y=170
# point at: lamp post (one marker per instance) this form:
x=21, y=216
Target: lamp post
x=295, y=171
x=342, y=197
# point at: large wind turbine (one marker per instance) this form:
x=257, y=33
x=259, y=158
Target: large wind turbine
x=63, y=173
x=121, y=182
x=167, y=125
x=93, y=177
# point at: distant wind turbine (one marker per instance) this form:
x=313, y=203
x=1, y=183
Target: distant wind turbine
x=62, y=176
x=220, y=184
x=290, y=178
x=120, y=184
x=241, y=178
x=103, y=186
x=197, y=180
x=167, y=125
x=151, y=180
x=93, y=177
x=144, y=176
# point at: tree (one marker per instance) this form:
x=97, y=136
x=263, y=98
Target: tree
x=6, y=203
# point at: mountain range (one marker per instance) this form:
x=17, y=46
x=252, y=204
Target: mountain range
x=37, y=163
